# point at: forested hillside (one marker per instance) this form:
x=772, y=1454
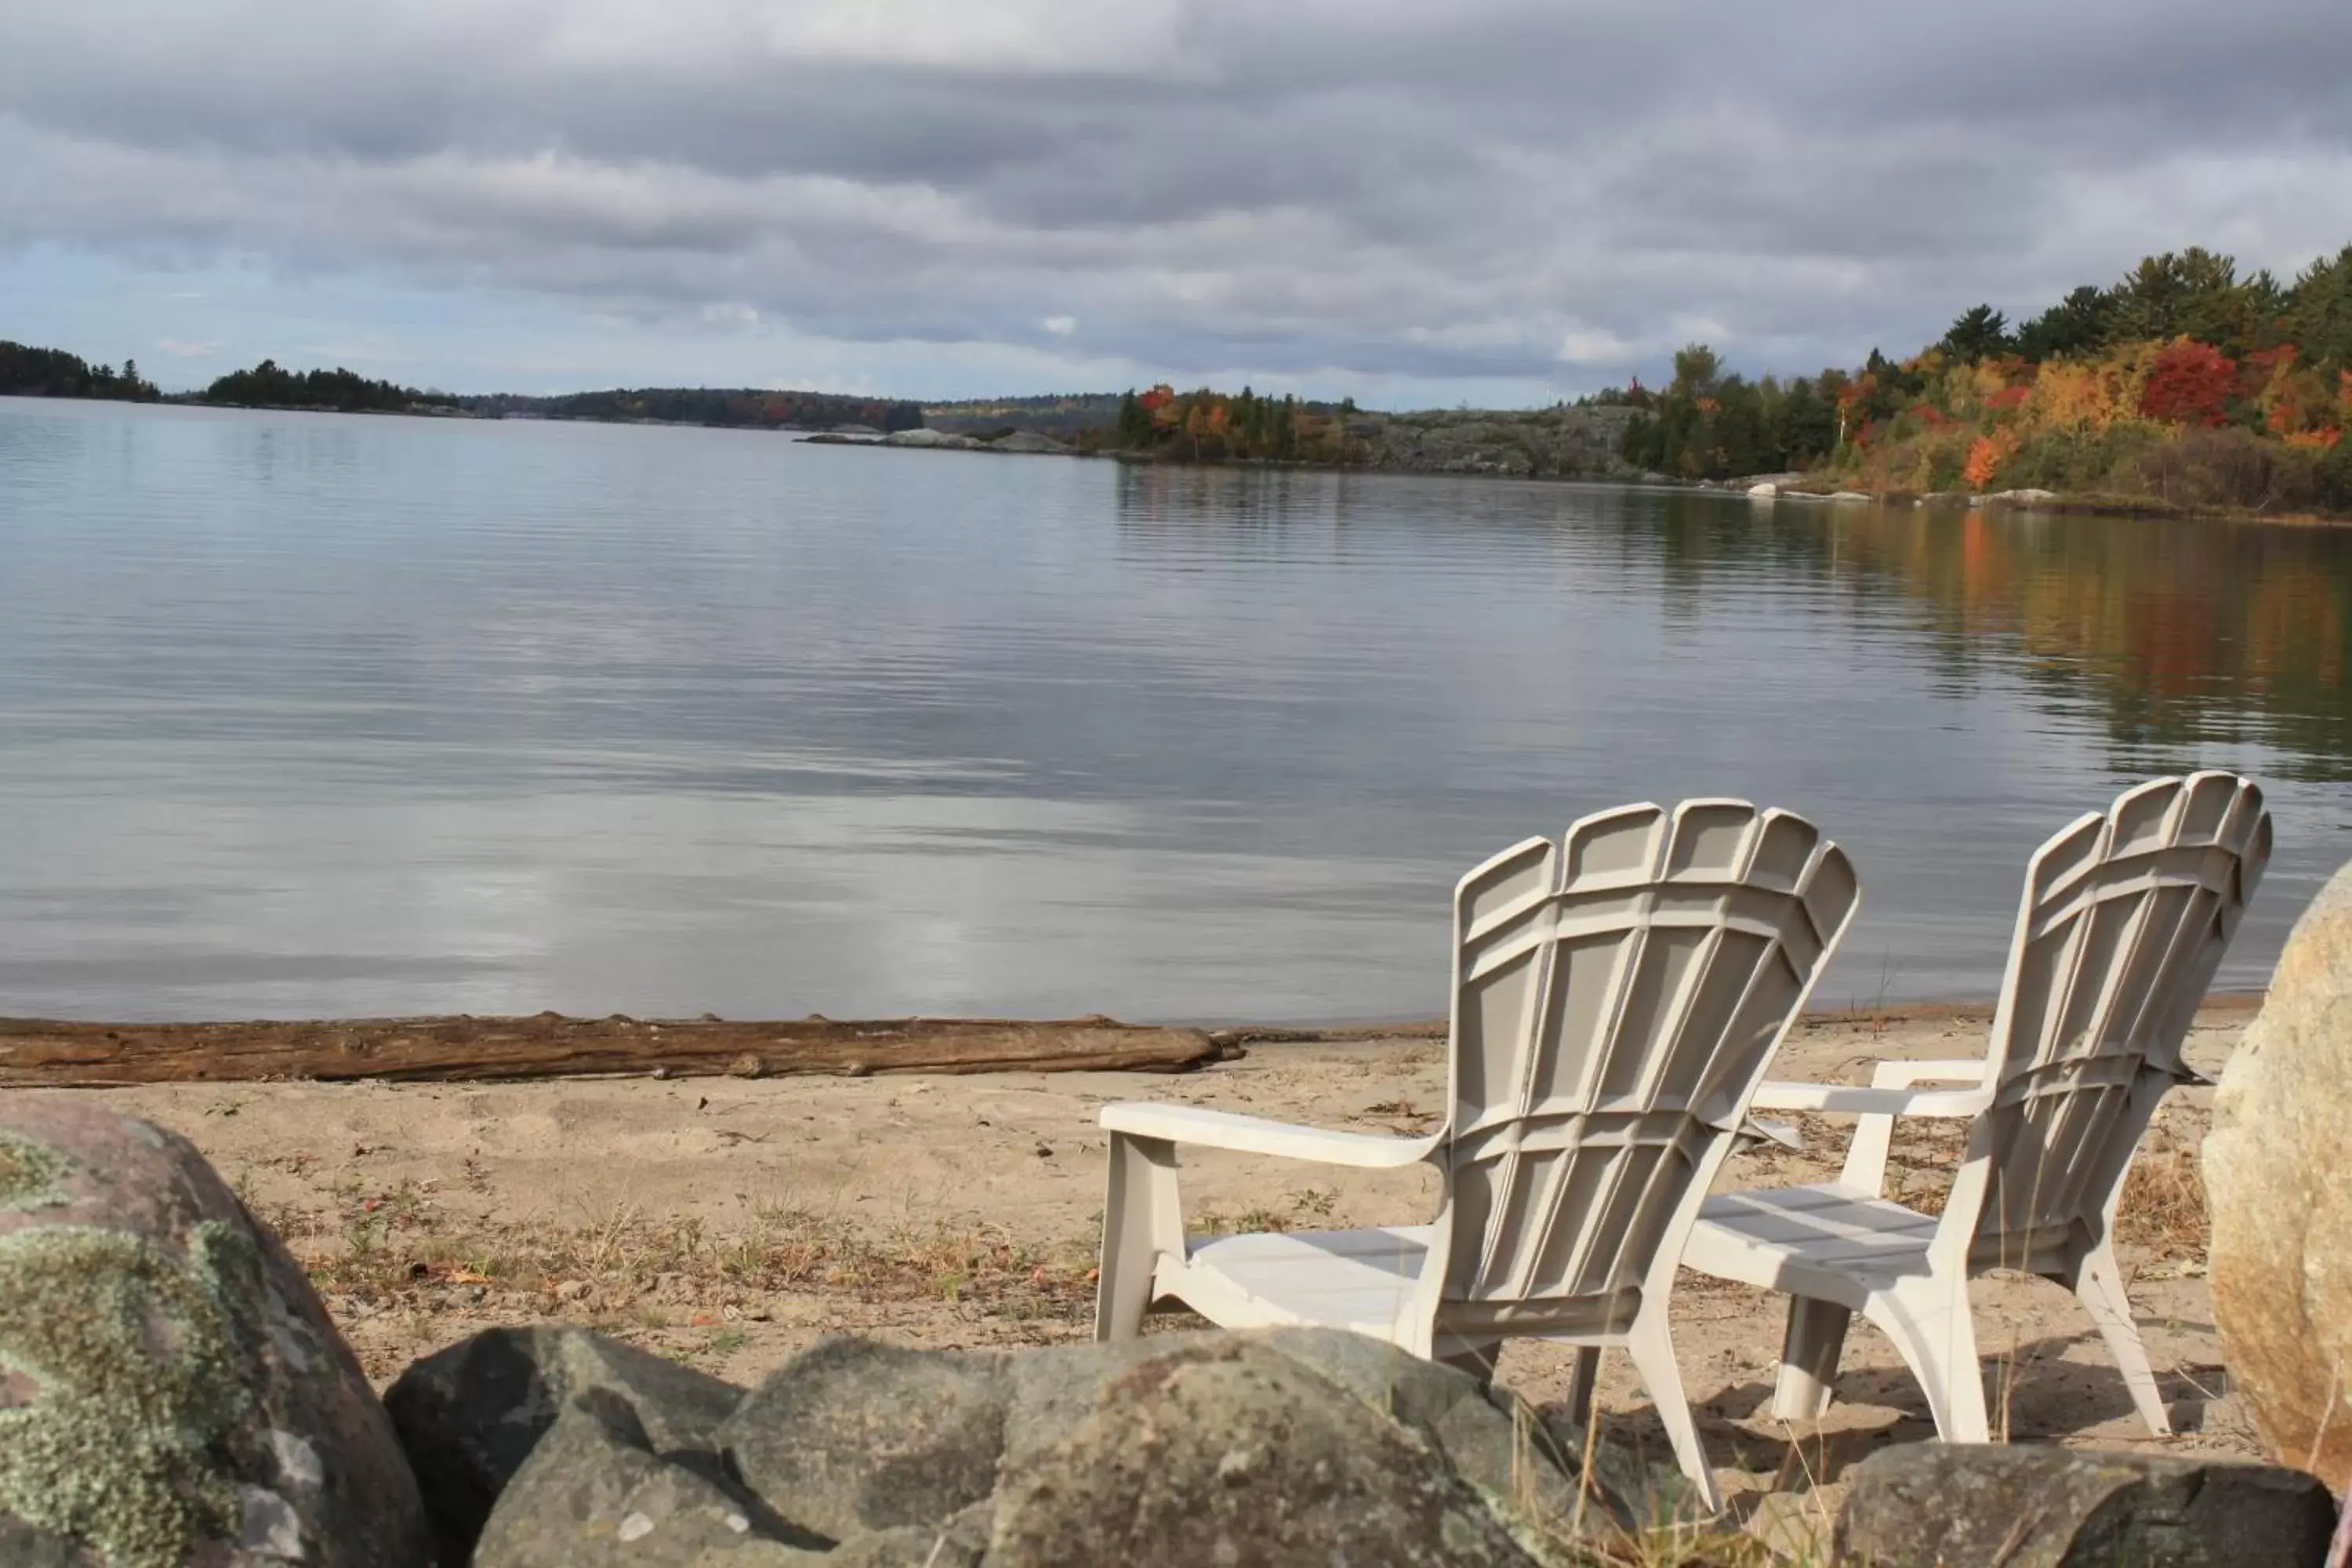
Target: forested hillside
x=729, y=406
x=2181, y=383
x=28, y=372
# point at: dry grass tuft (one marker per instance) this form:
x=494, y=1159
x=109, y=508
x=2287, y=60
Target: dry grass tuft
x=2163, y=1205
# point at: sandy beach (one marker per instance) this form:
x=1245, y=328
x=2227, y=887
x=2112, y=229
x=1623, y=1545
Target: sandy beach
x=731, y=1222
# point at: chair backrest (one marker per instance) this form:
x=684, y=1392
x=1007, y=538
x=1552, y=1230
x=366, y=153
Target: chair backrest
x=2124, y=919
x=1616, y=999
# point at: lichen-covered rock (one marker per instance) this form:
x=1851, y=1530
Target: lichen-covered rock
x=596, y=1493
x=1231, y=1451
x=2274, y=1163
x=471, y=1415
x=852, y=1435
x=1986, y=1506
x=172, y=1392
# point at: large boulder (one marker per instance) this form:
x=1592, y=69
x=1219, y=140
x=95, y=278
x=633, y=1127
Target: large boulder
x=853, y=1436
x=171, y=1391
x=2274, y=1162
x=897, y=1454
x=598, y=1492
x=1231, y=1451
x=1987, y=1506
x=471, y=1415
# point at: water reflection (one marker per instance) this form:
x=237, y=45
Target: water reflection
x=313, y=715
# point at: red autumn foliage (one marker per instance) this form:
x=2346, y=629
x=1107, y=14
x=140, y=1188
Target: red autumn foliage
x=2190, y=384
x=2009, y=397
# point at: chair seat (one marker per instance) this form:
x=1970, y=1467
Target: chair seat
x=1795, y=1237
x=1359, y=1279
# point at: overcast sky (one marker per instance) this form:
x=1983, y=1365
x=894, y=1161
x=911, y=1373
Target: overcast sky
x=1497, y=200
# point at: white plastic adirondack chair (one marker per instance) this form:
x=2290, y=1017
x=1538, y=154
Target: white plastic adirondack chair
x=1616, y=998
x=2124, y=921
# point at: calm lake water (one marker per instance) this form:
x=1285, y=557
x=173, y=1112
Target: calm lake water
x=308, y=714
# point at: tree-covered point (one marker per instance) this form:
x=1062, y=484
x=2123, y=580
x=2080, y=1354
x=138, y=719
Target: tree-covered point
x=733, y=407
x=270, y=385
x=2182, y=384
x=1707, y=424
x=28, y=372
x=1208, y=424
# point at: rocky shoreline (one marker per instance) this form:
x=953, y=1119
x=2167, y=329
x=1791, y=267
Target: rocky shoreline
x=178, y=1397
x=1577, y=443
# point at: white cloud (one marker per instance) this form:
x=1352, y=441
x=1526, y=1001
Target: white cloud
x=1586, y=345
x=1060, y=326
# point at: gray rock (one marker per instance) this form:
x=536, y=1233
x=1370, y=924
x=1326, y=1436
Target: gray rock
x=2281, y=1252
x=874, y=1447
x=1511, y=1453
x=1543, y=442
x=1229, y=1451
x=1028, y=441
x=470, y=1416
x=1508, y=1450
x=852, y=1436
x=171, y=1391
x=961, y=1542
x=597, y=1493
x=938, y=440
x=1985, y=1506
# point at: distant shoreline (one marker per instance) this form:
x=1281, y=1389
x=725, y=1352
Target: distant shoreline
x=1807, y=489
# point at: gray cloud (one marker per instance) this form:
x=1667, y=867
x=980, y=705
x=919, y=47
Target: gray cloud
x=1494, y=191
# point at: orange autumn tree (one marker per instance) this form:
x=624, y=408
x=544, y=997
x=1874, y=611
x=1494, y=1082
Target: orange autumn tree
x=1987, y=454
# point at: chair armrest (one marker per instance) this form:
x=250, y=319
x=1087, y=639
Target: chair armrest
x=1889, y=1096
x=1837, y=1100
x=1256, y=1135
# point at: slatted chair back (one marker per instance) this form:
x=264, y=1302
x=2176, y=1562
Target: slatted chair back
x=2124, y=921
x=1617, y=997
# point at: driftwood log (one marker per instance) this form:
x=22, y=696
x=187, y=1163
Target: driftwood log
x=45, y=1054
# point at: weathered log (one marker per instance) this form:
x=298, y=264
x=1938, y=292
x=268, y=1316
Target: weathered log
x=47, y=1054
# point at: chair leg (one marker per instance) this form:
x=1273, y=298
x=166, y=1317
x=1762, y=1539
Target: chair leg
x=1141, y=1224
x=1652, y=1350
x=2099, y=1284
x=1809, y=1350
x=1583, y=1384
x=1928, y=1320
